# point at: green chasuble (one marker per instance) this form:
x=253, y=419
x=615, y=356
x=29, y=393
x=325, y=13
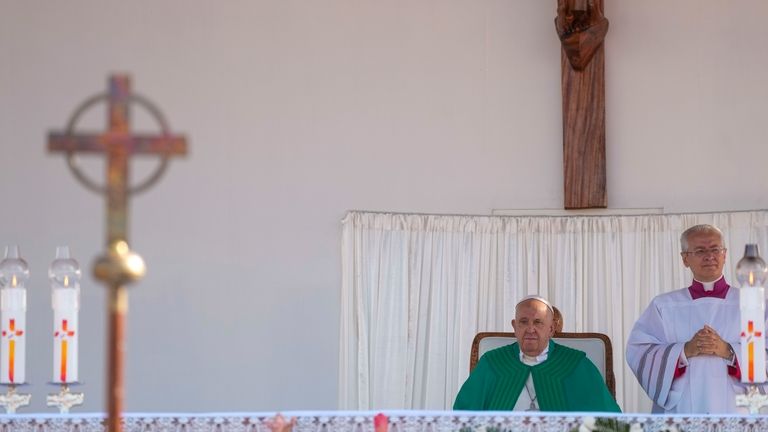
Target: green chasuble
x=565, y=381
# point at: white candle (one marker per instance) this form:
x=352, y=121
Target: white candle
x=13, y=317
x=13, y=351
x=65, y=335
x=64, y=274
x=752, y=306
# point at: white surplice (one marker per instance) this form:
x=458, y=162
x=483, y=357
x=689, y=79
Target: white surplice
x=656, y=342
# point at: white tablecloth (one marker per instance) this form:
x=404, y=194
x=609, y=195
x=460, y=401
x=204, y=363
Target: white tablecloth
x=399, y=421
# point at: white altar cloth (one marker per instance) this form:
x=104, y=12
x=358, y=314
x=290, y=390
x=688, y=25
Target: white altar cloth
x=359, y=421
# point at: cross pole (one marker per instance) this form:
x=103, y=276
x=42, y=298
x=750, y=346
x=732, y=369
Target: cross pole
x=119, y=266
x=581, y=27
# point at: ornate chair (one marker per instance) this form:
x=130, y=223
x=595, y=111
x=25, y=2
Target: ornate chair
x=597, y=346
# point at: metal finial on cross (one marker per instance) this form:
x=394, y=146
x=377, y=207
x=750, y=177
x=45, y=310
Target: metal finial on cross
x=118, y=266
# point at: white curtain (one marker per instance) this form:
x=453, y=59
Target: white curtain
x=417, y=288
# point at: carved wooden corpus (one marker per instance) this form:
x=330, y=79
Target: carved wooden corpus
x=581, y=26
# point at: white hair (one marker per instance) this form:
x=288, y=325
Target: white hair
x=698, y=229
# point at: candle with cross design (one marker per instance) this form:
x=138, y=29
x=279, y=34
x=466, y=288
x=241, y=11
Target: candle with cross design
x=751, y=273
x=64, y=274
x=14, y=274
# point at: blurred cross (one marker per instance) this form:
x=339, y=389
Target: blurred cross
x=119, y=266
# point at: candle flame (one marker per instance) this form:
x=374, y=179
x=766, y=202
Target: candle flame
x=751, y=278
x=66, y=281
x=14, y=282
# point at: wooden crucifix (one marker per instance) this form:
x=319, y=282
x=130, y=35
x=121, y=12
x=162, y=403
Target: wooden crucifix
x=581, y=27
x=119, y=266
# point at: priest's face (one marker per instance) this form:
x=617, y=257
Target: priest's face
x=705, y=256
x=533, y=327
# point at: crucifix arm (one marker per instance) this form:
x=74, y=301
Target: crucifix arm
x=134, y=144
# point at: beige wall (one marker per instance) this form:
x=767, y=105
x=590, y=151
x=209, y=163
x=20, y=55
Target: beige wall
x=300, y=110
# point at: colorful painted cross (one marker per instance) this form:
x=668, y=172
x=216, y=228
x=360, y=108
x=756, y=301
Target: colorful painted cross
x=64, y=334
x=12, y=330
x=10, y=333
x=750, y=334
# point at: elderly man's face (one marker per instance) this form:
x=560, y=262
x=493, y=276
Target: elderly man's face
x=705, y=256
x=533, y=327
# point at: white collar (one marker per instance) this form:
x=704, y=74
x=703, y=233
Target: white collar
x=709, y=286
x=533, y=361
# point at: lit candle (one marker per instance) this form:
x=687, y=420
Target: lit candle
x=14, y=273
x=751, y=272
x=64, y=274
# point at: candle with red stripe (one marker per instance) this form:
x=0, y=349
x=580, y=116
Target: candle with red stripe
x=751, y=272
x=14, y=274
x=64, y=274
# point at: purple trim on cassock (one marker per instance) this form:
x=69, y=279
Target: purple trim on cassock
x=720, y=290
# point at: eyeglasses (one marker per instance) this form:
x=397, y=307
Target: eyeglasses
x=701, y=253
x=525, y=323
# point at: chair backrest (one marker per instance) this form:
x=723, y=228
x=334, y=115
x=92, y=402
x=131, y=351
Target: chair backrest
x=597, y=346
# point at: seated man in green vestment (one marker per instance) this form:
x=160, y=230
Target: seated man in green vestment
x=535, y=373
